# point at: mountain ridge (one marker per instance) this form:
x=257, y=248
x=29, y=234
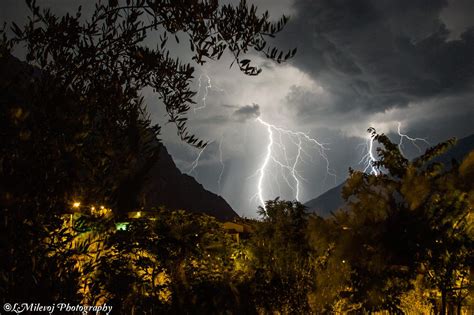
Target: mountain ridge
x=167, y=186
x=163, y=184
x=331, y=200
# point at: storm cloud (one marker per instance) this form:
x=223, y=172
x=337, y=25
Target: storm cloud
x=359, y=64
x=371, y=56
x=246, y=112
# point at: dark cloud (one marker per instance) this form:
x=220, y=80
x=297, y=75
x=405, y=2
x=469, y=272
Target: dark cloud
x=246, y=112
x=373, y=55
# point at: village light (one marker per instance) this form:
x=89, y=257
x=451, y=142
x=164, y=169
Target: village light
x=76, y=204
x=122, y=226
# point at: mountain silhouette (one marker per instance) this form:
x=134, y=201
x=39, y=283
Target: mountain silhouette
x=331, y=200
x=154, y=183
x=166, y=186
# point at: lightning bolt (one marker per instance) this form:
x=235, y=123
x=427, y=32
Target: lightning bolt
x=413, y=140
x=261, y=170
x=204, y=91
x=287, y=165
x=196, y=161
x=222, y=163
x=276, y=154
x=368, y=159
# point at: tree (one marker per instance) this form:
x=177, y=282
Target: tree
x=329, y=244
x=178, y=262
x=414, y=217
x=447, y=203
x=283, y=275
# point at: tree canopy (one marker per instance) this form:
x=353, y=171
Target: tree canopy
x=413, y=218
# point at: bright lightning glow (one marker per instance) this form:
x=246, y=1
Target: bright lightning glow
x=280, y=158
x=369, y=158
x=293, y=170
x=413, y=140
x=261, y=171
x=204, y=91
x=277, y=154
x=196, y=161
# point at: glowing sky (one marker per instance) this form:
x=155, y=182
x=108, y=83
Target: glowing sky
x=360, y=64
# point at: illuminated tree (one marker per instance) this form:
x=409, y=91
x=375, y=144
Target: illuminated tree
x=447, y=201
x=329, y=243
x=283, y=273
x=415, y=216
x=189, y=256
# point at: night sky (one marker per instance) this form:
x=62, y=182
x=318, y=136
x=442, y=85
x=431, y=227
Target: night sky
x=359, y=64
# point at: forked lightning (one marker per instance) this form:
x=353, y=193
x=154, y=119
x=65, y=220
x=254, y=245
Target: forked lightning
x=277, y=153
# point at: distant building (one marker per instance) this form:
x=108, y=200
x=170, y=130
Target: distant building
x=237, y=230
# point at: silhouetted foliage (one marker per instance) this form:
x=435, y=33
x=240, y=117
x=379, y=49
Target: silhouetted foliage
x=414, y=217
